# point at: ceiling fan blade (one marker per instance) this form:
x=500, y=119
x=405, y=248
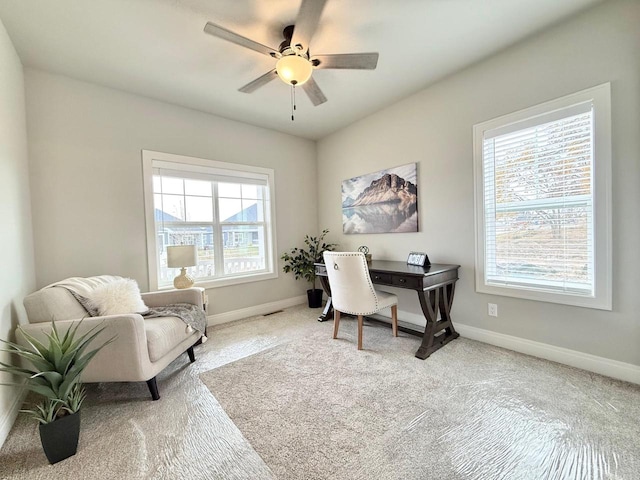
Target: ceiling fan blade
x=307, y=22
x=259, y=82
x=355, y=61
x=313, y=91
x=228, y=35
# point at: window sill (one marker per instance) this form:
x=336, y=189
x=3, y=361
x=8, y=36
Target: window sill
x=228, y=281
x=549, y=297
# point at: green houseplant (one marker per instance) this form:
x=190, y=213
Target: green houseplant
x=52, y=370
x=300, y=261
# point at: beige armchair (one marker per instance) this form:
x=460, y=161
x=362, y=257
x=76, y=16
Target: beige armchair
x=143, y=346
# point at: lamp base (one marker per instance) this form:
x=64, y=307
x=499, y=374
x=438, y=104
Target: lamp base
x=183, y=280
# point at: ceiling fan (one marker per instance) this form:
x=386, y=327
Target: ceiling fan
x=295, y=64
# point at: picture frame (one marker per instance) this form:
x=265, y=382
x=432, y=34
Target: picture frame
x=385, y=201
x=419, y=259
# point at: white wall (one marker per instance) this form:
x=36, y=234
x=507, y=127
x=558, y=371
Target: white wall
x=16, y=244
x=434, y=128
x=85, y=145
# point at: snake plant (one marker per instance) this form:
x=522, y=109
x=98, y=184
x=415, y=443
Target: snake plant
x=54, y=369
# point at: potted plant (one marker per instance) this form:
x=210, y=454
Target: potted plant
x=53, y=372
x=301, y=262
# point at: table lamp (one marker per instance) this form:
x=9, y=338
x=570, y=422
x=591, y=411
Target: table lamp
x=182, y=256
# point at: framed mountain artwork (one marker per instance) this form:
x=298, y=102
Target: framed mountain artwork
x=381, y=202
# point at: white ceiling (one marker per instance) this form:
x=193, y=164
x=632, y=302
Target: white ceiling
x=157, y=48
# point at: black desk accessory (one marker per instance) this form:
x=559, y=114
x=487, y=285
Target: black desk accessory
x=418, y=258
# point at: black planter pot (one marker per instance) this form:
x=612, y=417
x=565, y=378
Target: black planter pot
x=60, y=437
x=315, y=297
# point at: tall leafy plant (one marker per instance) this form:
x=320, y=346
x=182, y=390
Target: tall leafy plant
x=300, y=261
x=53, y=369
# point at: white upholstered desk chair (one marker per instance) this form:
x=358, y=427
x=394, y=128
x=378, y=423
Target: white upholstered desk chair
x=352, y=291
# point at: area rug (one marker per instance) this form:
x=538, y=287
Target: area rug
x=317, y=408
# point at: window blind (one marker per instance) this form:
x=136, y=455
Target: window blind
x=538, y=202
x=198, y=172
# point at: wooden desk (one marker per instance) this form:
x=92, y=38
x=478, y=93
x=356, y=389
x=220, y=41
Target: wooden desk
x=435, y=285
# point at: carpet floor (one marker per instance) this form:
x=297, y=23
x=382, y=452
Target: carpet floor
x=276, y=397
x=318, y=408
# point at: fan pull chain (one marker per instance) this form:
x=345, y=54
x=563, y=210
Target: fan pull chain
x=293, y=99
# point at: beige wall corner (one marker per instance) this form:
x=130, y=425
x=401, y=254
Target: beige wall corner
x=16, y=240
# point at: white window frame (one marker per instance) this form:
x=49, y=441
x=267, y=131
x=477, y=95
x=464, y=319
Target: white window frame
x=239, y=170
x=600, y=98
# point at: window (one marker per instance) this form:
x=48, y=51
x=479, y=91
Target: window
x=225, y=209
x=543, y=214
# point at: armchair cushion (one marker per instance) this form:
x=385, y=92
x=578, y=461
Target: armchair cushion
x=163, y=333
x=52, y=304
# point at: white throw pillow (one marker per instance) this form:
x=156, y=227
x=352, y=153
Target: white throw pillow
x=120, y=296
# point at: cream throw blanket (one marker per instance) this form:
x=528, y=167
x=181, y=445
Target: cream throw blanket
x=82, y=286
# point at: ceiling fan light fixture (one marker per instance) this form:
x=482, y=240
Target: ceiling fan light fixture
x=294, y=69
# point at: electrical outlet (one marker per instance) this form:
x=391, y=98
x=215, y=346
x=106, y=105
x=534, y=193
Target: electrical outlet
x=493, y=310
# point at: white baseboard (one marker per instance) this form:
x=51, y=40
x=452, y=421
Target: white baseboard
x=262, y=309
x=592, y=363
x=9, y=417
x=604, y=366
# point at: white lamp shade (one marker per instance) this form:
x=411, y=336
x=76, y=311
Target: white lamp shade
x=294, y=70
x=179, y=256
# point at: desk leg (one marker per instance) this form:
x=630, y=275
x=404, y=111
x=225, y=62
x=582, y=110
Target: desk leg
x=432, y=301
x=327, y=313
x=446, y=300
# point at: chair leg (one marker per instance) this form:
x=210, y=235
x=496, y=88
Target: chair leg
x=394, y=320
x=153, y=388
x=336, y=322
x=192, y=356
x=360, y=321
